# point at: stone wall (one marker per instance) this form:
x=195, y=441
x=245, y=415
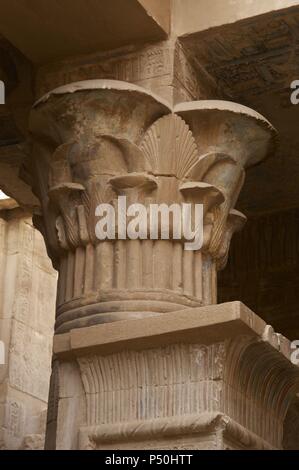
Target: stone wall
x=27, y=309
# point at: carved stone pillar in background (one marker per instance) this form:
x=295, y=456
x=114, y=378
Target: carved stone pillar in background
x=27, y=305
x=139, y=357
x=96, y=140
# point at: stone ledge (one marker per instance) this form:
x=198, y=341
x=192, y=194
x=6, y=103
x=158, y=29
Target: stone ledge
x=101, y=435
x=206, y=325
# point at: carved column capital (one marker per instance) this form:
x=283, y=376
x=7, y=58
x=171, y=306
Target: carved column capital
x=96, y=140
x=230, y=138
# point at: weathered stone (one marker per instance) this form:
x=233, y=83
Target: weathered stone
x=196, y=379
x=142, y=357
x=137, y=152
x=27, y=293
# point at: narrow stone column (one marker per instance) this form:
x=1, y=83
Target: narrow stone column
x=92, y=142
x=27, y=311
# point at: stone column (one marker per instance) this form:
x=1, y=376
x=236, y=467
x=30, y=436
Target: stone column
x=94, y=141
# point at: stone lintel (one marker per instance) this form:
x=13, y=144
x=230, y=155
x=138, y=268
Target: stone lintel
x=84, y=27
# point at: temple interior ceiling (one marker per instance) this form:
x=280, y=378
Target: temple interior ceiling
x=254, y=62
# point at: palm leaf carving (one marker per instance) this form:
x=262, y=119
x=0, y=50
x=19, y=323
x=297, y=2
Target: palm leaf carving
x=169, y=147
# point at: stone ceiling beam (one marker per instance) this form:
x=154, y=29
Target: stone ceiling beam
x=44, y=31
